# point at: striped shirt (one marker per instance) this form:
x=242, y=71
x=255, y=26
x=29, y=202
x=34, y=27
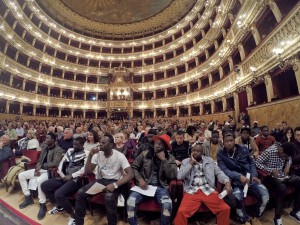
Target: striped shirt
x=199, y=181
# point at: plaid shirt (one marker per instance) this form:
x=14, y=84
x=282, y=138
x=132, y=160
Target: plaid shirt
x=269, y=161
x=199, y=181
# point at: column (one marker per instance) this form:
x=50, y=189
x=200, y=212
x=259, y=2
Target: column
x=47, y=111
x=21, y=108
x=73, y=94
x=255, y=34
x=60, y=92
x=230, y=62
x=201, y=108
x=236, y=105
x=177, y=90
x=210, y=79
x=206, y=54
x=166, y=112
x=154, y=113
x=166, y=93
x=177, y=111
x=269, y=87
x=297, y=74
x=199, y=84
x=212, y=106
x=143, y=95
x=48, y=91
x=84, y=96
x=216, y=44
x=7, y=106
x=189, y=110
x=34, y=110
x=241, y=51
x=131, y=113
x=36, y=87
x=143, y=113
x=249, y=94
x=275, y=10
x=221, y=72
x=72, y=113
x=84, y=113
x=188, y=87
x=11, y=79
x=224, y=104
x=154, y=94
x=24, y=84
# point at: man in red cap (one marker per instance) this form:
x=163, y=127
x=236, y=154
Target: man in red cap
x=157, y=168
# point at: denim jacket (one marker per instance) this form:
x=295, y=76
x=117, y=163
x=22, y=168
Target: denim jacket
x=241, y=164
x=211, y=170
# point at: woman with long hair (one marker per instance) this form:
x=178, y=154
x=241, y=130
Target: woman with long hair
x=288, y=135
x=92, y=140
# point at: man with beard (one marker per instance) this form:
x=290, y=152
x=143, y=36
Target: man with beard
x=235, y=161
x=198, y=174
x=156, y=168
x=211, y=147
x=247, y=141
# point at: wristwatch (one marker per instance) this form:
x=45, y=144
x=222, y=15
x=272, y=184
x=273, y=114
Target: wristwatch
x=115, y=185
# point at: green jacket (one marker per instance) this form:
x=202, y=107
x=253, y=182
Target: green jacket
x=53, y=158
x=144, y=164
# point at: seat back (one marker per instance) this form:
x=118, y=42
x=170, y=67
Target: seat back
x=4, y=167
x=34, y=156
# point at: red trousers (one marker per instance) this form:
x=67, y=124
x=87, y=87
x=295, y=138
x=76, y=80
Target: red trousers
x=191, y=202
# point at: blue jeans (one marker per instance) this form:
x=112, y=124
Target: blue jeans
x=259, y=191
x=162, y=197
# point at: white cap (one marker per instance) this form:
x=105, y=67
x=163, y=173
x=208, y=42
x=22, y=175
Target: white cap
x=227, y=123
x=255, y=121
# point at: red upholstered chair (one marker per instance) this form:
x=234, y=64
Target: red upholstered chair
x=5, y=165
x=34, y=156
x=129, y=156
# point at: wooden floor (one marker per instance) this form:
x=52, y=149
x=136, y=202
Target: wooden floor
x=99, y=217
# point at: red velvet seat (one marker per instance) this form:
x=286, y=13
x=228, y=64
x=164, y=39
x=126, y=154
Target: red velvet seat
x=34, y=156
x=5, y=165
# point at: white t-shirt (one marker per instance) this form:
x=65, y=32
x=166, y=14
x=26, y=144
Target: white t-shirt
x=88, y=146
x=112, y=167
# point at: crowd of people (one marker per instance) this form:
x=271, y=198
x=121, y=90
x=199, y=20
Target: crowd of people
x=152, y=152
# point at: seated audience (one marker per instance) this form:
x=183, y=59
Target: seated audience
x=247, y=141
x=20, y=131
x=288, y=135
x=154, y=167
x=255, y=131
x=78, y=133
x=191, y=135
x=5, y=150
x=276, y=162
x=212, y=146
x=120, y=143
x=92, y=140
x=198, y=174
x=1, y=130
x=29, y=142
x=146, y=143
x=59, y=134
x=296, y=157
x=180, y=148
x=11, y=132
x=50, y=157
x=235, y=161
x=110, y=173
x=70, y=168
x=277, y=132
x=264, y=140
x=67, y=141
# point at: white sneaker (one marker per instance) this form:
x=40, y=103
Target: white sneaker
x=278, y=221
x=121, y=201
x=56, y=210
x=71, y=221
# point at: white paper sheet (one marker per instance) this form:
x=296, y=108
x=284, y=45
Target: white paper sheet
x=149, y=192
x=95, y=189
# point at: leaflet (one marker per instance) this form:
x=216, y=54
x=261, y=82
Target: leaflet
x=95, y=189
x=149, y=192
